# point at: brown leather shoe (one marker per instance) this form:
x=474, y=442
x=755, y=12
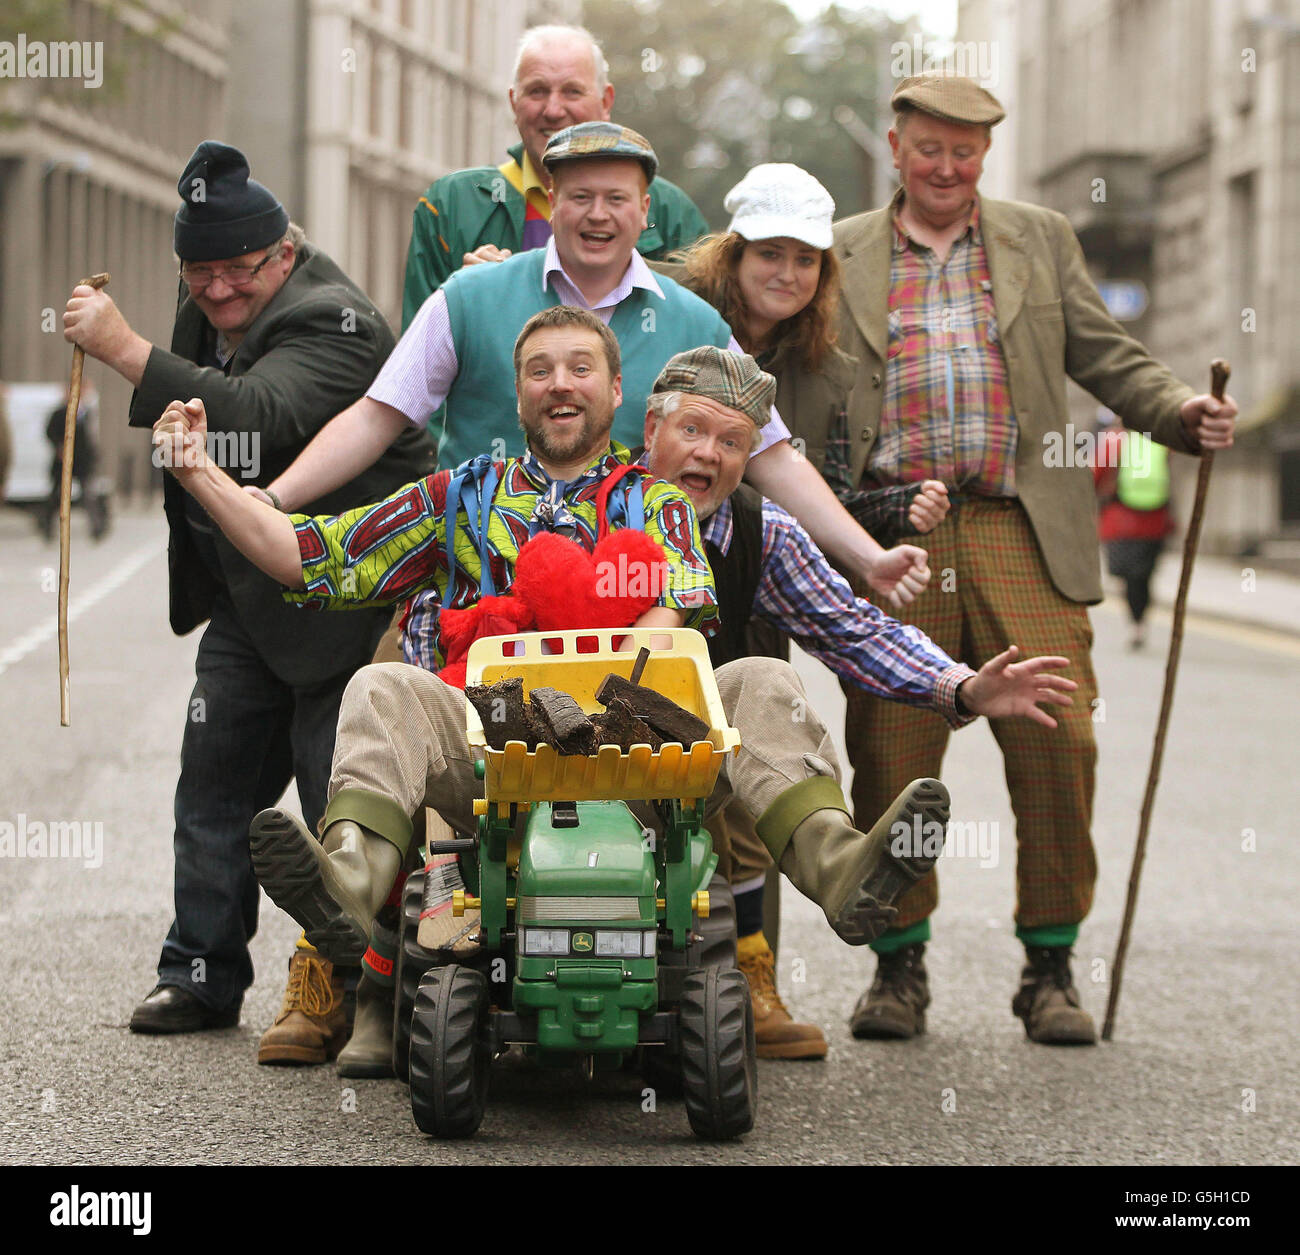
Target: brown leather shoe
x=894, y=1006
x=312, y=1024
x=776, y=1034
x=1048, y=1002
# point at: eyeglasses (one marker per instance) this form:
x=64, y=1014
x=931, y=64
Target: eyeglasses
x=199, y=277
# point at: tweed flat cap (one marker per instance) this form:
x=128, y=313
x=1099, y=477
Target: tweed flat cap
x=950, y=97
x=600, y=139
x=730, y=379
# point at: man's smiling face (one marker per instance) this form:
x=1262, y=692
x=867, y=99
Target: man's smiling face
x=702, y=447
x=567, y=395
x=598, y=211
x=556, y=86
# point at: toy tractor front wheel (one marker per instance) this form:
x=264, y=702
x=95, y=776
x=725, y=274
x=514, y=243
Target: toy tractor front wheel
x=715, y=1023
x=450, y=1055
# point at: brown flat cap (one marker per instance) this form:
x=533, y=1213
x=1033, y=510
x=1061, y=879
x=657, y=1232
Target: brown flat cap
x=730, y=379
x=949, y=97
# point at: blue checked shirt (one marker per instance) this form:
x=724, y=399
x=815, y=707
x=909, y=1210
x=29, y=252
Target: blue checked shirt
x=800, y=593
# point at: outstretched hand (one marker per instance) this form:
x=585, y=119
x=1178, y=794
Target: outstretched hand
x=900, y=573
x=1003, y=687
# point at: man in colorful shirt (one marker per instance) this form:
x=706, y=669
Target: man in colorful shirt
x=491, y=212
x=402, y=740
x=966, y=314
x=460, y=348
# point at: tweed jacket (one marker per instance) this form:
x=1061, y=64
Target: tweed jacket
x=1052, y=323
x=312, y=351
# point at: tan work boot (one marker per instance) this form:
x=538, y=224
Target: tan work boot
x=857, y=877
x=1048, y=1002
x=312, y=1025
x=333, y=887
x=776, y=1034
x=369, y=1052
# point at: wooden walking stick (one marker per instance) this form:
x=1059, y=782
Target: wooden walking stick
x=65, y=512
x=1219, y=372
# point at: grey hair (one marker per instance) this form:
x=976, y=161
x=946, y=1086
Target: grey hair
x=664, y=404
x=546, y=34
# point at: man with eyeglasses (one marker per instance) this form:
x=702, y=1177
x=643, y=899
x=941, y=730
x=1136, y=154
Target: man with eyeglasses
x=274, y=339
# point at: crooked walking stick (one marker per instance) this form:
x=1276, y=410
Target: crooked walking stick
x=65, y=512
x=1219, y=372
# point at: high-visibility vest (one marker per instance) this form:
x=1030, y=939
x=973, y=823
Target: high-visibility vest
x=1143, y=480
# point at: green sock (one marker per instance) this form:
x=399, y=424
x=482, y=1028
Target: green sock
x=1048, y=935
x=896, y=938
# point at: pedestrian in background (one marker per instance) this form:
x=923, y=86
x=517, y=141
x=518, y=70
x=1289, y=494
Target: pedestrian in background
x=1132, y=478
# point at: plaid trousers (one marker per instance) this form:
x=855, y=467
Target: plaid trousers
x=989, y=588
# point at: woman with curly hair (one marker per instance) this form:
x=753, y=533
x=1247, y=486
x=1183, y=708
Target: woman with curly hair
x=773, y=277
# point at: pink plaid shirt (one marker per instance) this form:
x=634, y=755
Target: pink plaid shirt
x=947, y=407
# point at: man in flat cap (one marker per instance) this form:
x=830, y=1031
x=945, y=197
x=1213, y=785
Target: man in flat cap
x=274, y=339
x=402, y=732
x=489, y=213
x=966, y=316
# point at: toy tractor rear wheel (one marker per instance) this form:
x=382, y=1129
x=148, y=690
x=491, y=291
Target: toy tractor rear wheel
x=451, y=1058
x=719, y=1075
x=413, y=960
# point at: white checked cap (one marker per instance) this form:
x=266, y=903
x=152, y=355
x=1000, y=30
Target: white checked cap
x=779, y=199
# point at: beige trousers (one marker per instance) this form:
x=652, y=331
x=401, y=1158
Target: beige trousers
x=402, y=746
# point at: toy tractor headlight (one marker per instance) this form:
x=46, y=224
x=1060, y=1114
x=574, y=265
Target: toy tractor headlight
x=545, y=941
x=624, y=943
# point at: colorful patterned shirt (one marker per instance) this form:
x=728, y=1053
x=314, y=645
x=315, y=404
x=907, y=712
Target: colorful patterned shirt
x=800, y=593
x=384, y=553
x=947, y=406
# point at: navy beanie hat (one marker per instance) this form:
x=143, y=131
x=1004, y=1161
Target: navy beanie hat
x=225, y=213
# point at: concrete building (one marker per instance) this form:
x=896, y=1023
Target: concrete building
x=1168, y=132
x=347, y=109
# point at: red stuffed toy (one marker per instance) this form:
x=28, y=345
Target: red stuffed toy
x=559, y=585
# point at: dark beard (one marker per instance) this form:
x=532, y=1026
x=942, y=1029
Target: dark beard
x=591, y=436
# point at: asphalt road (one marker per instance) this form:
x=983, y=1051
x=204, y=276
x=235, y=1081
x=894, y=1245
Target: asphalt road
x=1202, y=1070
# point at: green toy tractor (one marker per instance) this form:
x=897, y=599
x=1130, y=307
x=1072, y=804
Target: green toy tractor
x=598, y=942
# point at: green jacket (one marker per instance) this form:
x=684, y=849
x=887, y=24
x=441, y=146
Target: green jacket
x=1053, y=324
x=468, y=208
x=311, y=352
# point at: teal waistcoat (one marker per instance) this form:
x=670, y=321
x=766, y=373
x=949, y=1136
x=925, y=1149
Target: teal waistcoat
x=488, y=307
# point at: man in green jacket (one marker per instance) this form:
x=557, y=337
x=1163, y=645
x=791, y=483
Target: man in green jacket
x=966, y=315
x=489, y=212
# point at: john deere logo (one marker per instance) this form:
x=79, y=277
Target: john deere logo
x=582, y=941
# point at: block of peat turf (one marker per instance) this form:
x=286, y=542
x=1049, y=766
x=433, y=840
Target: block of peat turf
x=671, y=721
x=501, y=707
x=617, y=725
x=567, y=728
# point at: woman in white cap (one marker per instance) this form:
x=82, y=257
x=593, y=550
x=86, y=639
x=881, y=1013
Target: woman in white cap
x=773, y=277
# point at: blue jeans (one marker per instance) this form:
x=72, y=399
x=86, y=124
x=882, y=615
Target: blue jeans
x=247, y=733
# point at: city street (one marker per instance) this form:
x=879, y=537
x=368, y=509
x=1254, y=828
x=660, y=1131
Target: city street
x=1201, y=1071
